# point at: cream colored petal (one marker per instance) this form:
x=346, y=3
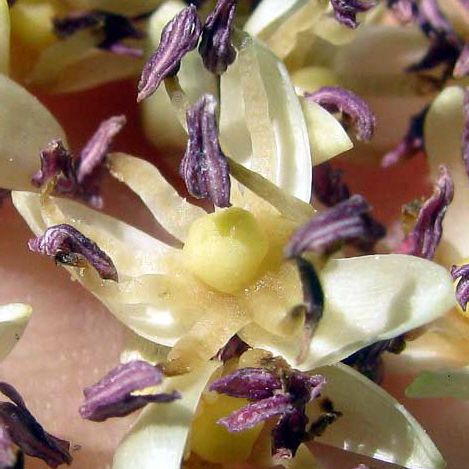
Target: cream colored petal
x=443, y=140
x=172, y=211
x=327, y=138
x=59, y=55
x=26, y=127
x=441, y=383
x=374, y=423
x=95, y=67
x=143, y=299
x=161, y=432
x=367, y=299
x=14, y=318
x=4, y=37
x=271, y=13
x=259, y=105
x=373, y=62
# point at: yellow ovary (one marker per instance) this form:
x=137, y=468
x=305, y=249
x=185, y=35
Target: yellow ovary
x=225, y=249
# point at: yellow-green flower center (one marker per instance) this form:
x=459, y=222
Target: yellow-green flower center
x=225, y=249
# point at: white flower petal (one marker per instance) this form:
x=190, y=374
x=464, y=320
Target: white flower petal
x=14, y=318
x=26, y=127
x=368, y=299
x=4, y=37
x=259, y=105
x=140, y=299
x=327, y=138
x=270, y=13
x=93, y=68
x=374, y=423
x=173, y=212
x=442, y=383
x=443, y=140
x=160, y=434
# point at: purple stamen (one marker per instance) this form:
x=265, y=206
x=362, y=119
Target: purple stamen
x=114, y=27
x=204, y=167
x=353, y=108
x=25, y=431
x=462, y=288
x=286, y=394
x=179, y=37
x=70, y=247
x=313, y=297
x=411, y=145
x=234, y=348
x=328, y=186
x=248, y=383
x=423, y=240
x=79, y=177
x=345, y=11
x=113, y=395
x=215, y=47
x=343, y=222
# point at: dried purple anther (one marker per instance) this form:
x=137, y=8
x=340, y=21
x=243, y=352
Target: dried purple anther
x=328, y=186
x=235, y=347
x=424, y=238
x=204, y=168
x=19, y=427
x=353, y=108
x=79, y=177
x=345, y=11
x=313, y=296
x=215, y=47
x=179, y=37
x=70, y=247
x=412, y=144
x=284, y=395
x=114, y=28
x=118, y=393
x=462, y=288
x=347, y=221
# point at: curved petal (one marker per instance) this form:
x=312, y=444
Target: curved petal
x=133, y=252
x=161, y=431
x=171, y=210
x=13, y=321
x=441, y=383
x=26, y=127
x=95, y=67
x=259, y=105
x=367, y=299
x=4, y=37
x=141, y=299
x=327, y=138
x=443, y=139
x=374, y=423
x=270, y=13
